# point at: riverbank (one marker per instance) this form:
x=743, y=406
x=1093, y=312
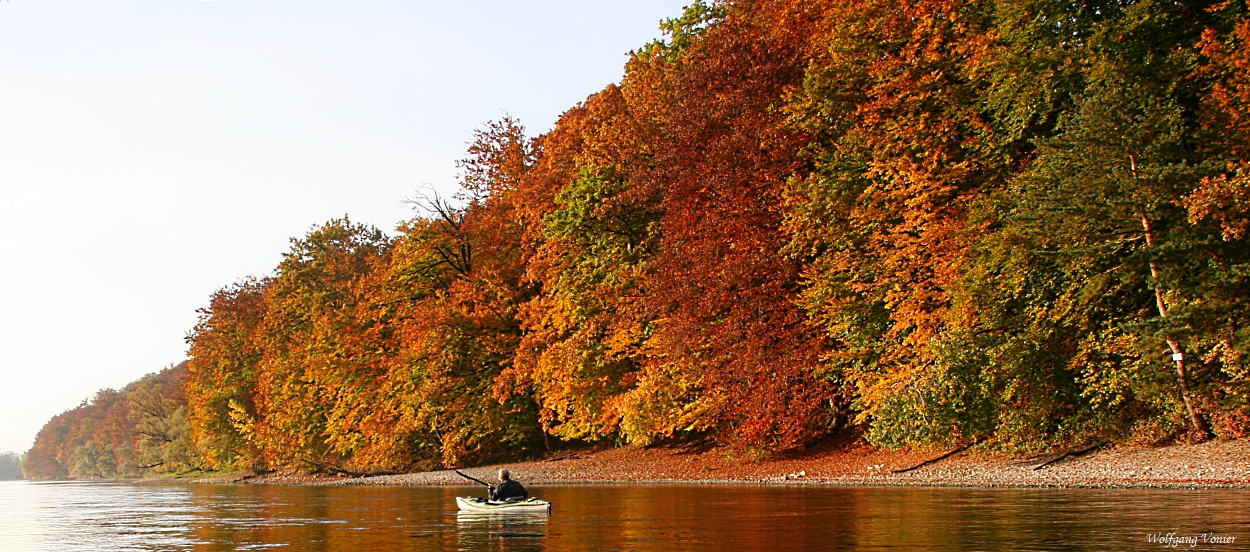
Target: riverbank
x=1215, y=464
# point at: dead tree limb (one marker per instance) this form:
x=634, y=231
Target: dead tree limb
x=1070, y=454
x=944, y=456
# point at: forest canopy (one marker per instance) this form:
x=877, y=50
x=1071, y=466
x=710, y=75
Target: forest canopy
x=1016, y=221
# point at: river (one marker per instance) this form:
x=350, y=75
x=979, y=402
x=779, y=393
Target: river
x=119, y=516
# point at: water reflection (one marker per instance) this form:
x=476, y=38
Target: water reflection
x=495, y=531
x=96, y=516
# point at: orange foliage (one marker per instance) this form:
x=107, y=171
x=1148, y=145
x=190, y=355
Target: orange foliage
x=1225, y=199
x=787, y=210
x=886, y=211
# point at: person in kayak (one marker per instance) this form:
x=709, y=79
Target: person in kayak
x=507, y=490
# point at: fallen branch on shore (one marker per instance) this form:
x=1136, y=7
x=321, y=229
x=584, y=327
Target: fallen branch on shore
x=944, y=456
x=1070, y=454
x=256, y=473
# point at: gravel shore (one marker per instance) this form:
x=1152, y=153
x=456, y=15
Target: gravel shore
x=1215, y=464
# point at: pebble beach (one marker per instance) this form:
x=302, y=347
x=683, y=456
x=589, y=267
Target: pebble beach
x=1214, y=464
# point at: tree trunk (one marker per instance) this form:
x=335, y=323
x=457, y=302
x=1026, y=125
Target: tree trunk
x=1178, y=353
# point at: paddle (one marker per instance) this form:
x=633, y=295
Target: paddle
x=472, y=478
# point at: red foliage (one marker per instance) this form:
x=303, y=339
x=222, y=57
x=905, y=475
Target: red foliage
x=723, y=292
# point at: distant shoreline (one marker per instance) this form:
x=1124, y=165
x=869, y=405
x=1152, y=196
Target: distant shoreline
x=1212, y=465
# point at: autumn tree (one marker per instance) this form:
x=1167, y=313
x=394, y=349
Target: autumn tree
x=41, y=462
x=157, y=406
x=302, y=372
x=595, y=231
x=1014, y=221
x=225, y=351
x=105, y=438
x=461, y=333
x=730, y=352
x=1218, y=204
x=902, y=151
x=1104, y=195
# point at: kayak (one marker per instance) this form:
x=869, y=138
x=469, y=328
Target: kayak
x=527, y=506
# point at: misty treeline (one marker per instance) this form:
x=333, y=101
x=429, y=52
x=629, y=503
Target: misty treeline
x=1021, y=221
x=10, y=466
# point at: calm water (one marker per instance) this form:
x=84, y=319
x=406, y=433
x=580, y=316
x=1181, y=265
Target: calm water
x=105, y=516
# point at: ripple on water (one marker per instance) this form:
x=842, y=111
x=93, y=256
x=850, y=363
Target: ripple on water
x=113, y=516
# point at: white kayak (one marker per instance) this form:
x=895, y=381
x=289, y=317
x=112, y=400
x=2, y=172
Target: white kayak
x=527, y=506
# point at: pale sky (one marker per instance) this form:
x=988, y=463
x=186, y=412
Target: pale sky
x=152, y=152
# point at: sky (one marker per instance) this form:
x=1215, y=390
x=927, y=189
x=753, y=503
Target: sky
x=152, y=152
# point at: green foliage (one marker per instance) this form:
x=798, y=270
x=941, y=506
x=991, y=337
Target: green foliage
x=158, y=411
x=695, y=20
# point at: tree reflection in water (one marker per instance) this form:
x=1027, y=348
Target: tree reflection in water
x=111, y=516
